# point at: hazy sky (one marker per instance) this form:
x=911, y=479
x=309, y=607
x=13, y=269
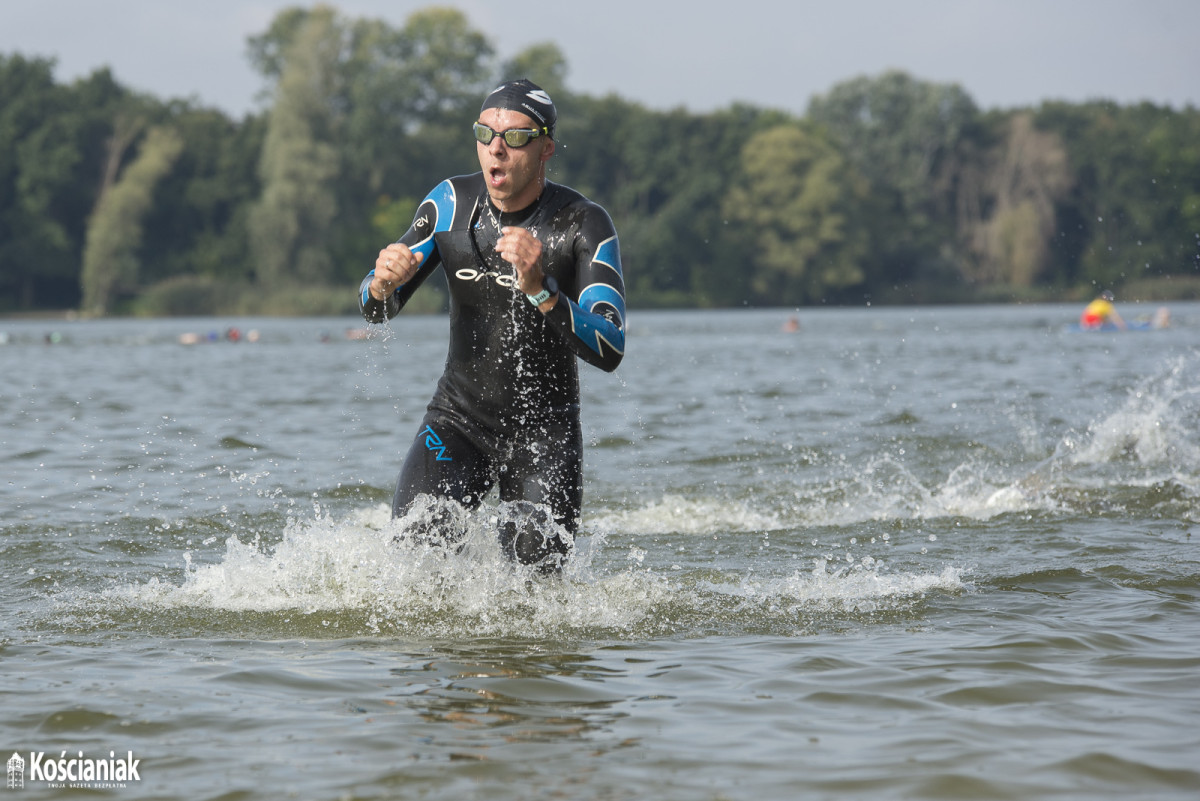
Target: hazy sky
x=702, y=54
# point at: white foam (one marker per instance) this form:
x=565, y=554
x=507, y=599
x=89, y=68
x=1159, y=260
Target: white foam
x=353, y=568
x=356, y=565
x=675, y=514
x=1151, y=429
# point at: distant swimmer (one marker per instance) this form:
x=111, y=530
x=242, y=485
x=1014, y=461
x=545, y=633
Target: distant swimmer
x=535, y=280
x=1100, y=313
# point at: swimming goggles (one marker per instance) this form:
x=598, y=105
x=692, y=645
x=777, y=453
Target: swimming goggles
x=513, y=137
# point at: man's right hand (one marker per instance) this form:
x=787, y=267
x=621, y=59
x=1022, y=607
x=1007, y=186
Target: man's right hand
x=395, y=265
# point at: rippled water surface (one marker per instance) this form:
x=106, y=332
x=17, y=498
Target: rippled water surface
x=901, y=553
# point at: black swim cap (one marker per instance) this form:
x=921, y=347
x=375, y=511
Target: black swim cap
x=526, y=97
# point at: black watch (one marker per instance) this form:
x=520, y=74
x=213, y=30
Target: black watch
x=549, y=290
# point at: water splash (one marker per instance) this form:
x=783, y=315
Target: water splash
x=676, y=514
x=1156, y=424
x=351, y=576
x=1142, y=453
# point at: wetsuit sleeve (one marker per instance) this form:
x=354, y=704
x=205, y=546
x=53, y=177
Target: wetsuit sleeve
x=433, y=215
x=593, y=322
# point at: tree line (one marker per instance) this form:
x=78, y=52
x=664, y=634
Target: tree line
x=888, y=189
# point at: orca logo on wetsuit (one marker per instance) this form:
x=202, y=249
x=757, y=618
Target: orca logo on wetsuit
x=470, y=274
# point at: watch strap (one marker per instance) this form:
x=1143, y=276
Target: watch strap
x=539, y=298
x=549, y=288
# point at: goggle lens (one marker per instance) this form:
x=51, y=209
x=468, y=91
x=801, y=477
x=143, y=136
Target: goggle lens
x=513, y=137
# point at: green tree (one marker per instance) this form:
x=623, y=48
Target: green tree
x=290, y=225
x=52, y=150
x=1131, y=213
x=110, y=260
x=1009, y=216
x=197, y=225
x=36, y=161
x=910, y=139
x=899, y=132
x=401, y=90
x=801, y=201
x=364, y=115
x=662, y=176
x=542, y=63
x=411, y=95
x=51, y=146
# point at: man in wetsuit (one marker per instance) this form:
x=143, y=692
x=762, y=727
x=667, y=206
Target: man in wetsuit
x=535, y=282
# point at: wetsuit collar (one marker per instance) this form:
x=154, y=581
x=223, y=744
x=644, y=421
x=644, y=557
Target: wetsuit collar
x=515, y=218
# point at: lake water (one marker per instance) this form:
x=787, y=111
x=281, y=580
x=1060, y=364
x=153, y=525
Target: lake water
x=929, y=553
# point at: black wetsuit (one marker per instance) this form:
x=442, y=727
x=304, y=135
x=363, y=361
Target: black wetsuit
x=506, y=410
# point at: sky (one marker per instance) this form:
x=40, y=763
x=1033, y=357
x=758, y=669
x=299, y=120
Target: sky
x=701, y=55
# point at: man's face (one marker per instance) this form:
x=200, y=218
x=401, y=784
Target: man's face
x=514, y=175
